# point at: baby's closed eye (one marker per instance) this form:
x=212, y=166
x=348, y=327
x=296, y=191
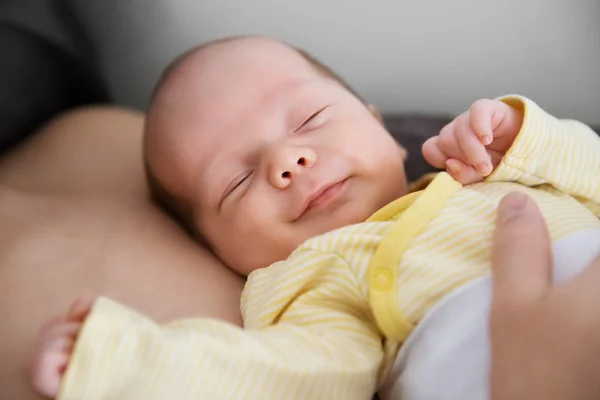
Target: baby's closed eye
x=235, y=184
x=312, y=121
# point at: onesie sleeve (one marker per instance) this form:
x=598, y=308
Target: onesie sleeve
x=547, y=150
x=309, y=334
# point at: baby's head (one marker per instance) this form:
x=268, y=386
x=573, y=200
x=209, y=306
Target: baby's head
x=256, y=147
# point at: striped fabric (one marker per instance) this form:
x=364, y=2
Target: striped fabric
x=310, y=330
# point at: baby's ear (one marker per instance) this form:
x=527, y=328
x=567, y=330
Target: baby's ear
x=375, y=112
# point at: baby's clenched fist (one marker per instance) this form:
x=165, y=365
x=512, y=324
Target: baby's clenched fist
x=473, y=144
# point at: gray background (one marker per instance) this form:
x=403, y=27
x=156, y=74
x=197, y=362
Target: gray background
x=426, y=56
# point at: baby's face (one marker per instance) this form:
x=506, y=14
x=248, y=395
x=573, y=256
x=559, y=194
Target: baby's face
x=271, y=153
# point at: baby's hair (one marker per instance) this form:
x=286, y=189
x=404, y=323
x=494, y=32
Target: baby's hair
x=318, y=65
x=178, y=208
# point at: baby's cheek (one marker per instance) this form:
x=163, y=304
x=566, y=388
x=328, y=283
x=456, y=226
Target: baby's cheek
x=246, y=243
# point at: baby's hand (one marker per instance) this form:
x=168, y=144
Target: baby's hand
x=472, y=146
x=54, y=348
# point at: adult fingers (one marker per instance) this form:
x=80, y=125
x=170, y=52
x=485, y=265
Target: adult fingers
x=521, y=255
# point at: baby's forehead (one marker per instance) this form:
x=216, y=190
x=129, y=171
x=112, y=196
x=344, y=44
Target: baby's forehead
x=205, y=117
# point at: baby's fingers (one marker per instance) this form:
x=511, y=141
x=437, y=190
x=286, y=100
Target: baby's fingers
x=474, y=151
x=80, y=309
x=481, y=116
x=433, y=154
x=461, y=172
x=63, y=344
x=48, y=370
x=67, y=330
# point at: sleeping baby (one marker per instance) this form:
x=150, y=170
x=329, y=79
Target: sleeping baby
x=356, y=283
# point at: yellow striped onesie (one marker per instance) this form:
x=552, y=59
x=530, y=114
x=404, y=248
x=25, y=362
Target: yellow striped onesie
x=328, y=322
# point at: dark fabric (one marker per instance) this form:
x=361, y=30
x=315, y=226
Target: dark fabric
x=39, y=78
x=411, y=131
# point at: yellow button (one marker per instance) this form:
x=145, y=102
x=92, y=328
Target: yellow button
x=382, y=279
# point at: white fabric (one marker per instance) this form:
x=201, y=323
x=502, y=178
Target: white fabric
x=447, y=357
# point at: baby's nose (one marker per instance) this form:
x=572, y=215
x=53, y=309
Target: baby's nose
x=288, y=164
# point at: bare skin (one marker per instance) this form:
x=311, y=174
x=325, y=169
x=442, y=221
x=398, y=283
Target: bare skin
x=76, y=220
x=544, y=337
x=250, y=144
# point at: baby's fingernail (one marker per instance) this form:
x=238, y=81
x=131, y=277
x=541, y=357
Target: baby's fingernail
x=452, y=169
x=486, y=139
x=484, y=168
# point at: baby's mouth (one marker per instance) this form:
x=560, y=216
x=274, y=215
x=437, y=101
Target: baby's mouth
x=324, y=196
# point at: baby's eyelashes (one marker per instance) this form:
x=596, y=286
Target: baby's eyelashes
x=239, y=181
x=311, y=119
x=235, y=184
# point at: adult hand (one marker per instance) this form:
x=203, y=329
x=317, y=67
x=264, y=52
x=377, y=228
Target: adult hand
x=545, y=338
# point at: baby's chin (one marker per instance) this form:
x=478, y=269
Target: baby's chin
x=331, y=222
x=290, y=239
x=352, y=215
x=260, y=258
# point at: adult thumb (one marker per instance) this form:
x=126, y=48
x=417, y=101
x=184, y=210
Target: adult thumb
x=521, y=255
